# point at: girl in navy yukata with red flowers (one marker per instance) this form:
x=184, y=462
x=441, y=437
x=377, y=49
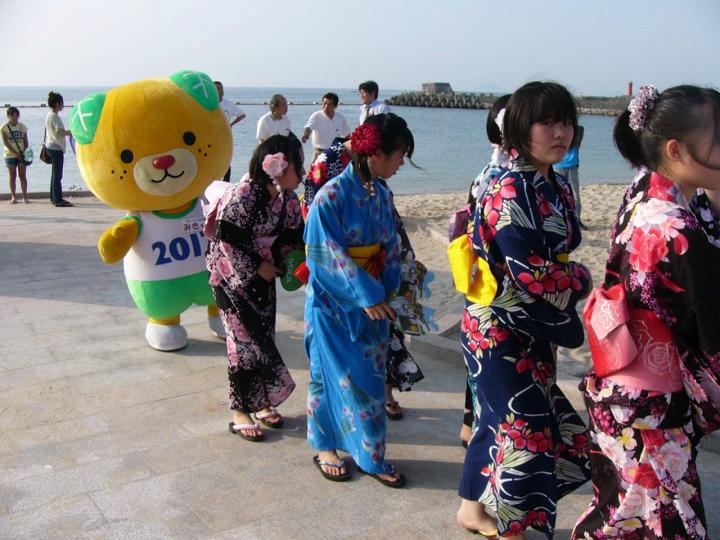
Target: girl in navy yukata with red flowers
x=650, y=405
x=529, y=447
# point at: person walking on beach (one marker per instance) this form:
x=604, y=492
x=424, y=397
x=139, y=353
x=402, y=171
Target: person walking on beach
x=15, y=141
x=353, y=255
x=653, y=399
x=569, y=168
x=530, y=448
x=251, y=229
x=371, y=105
x=55, y=143
x=275, y=122
x=233, y=114
x=325, y=125
x=499, y=160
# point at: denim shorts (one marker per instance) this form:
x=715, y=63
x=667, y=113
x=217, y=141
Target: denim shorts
x=14, y=162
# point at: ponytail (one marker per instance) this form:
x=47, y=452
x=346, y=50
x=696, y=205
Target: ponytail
x=628, y=142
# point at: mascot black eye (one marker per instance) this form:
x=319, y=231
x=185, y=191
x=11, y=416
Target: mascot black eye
x=189, y=138
x=126, y=156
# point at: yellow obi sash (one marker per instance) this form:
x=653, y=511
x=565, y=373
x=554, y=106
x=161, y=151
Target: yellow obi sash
x=472, y=275
x=370, y=258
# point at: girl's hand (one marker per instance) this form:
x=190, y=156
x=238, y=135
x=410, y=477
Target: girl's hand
x=268, y=272
x=380, y=311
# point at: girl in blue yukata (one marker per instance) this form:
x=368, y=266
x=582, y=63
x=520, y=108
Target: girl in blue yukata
x=353, y=254
x=529, y=446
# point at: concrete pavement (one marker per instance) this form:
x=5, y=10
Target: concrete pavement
x=102, y=437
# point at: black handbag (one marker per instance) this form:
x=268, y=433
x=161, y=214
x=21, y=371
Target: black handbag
x=44, y=154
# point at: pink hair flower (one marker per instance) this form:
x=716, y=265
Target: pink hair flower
x=274, y=164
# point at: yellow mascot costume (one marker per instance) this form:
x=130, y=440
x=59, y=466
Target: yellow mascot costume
x=151, y=148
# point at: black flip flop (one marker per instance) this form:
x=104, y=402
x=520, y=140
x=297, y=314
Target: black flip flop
x=333, y=478
x=265, y=418
x=396, y=415
x=397, y=484
x=236, y=429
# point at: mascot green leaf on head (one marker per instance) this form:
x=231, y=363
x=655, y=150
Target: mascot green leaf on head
x=151, y=148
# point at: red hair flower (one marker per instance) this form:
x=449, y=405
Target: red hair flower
x=366, y=139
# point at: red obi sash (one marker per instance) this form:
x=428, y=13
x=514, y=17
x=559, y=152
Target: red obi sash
x=631, y=346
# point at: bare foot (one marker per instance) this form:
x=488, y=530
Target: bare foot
x=465, y=434
x=473, y=517
x=13, y=200
x=270, y=417
x=331, y=457
x=26, y=201
x=245, y=418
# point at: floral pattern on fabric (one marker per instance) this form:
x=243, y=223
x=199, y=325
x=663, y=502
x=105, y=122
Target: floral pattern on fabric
x=402, y=370
x=529, y=446
x=347, y=350
x=252, y=227
x=645, y=480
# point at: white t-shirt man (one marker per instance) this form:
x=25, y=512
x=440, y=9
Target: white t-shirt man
x=325, y=129
x=376, y=107
x=268, y=126
x=231, y=110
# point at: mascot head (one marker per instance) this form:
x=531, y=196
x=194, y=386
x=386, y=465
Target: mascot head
x=152, y=145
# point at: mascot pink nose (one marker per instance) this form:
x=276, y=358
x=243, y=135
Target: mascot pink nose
x=163, y=162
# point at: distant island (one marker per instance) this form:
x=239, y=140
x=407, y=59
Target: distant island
x=441, y=95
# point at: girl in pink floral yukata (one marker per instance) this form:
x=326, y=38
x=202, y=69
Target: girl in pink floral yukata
x=652, y=326
x=251, y=229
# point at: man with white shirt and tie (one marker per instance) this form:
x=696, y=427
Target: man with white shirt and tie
x=325, y=125
x=370, y=103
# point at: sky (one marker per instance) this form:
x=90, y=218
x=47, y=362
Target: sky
x=592, y=46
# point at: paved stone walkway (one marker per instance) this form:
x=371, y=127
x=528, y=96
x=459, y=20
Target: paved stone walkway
x=102, y=437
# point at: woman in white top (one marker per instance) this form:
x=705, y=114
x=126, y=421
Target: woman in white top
x=55, y=144
x=15, y=141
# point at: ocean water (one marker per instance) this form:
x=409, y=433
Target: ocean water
x=450, y=144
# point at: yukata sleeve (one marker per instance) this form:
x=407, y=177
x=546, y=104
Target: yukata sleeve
x=292, y=228
x=550, y=287
x=691, y=309
x=331, y=268
x=394, y=248
x=238, y=260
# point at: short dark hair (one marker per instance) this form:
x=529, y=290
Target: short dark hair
x=12, y=110
x=395, y=135
x=332, y=96
x=289, y=145
x=678, y=113
x=370, y=87
x=536, y=102
x=218, y=83
x=54, y=99
x=491, y=127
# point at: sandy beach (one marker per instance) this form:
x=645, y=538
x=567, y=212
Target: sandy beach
x=426, y=218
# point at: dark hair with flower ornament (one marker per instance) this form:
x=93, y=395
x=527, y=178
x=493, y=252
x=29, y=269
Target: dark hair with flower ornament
x=394, y=135
x=683, y=113
x=366, y=139
x=288, y=146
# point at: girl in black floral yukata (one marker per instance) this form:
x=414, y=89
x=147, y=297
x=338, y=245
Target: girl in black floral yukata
x=654, y=390
x=251, y=229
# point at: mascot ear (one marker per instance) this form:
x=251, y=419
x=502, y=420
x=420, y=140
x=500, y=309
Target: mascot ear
x=85, y=117
x=199, y=86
